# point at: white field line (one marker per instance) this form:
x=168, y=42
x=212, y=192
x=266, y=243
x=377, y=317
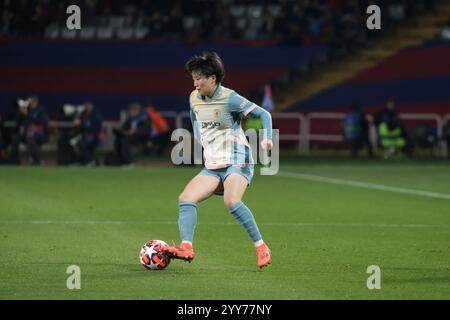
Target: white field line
x=366, y=185
x=279, y=224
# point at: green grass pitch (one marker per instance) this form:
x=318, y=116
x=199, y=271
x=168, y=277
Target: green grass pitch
x=323, y=235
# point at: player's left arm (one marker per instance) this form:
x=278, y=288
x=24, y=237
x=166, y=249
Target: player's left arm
x=242, y=105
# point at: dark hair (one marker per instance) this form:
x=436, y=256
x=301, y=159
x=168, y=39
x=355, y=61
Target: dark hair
x=208, y=64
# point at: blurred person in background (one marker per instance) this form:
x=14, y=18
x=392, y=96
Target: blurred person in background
x=31, y=129
x=2, y=141
x=388, y=112
x=392, y=135
x=160, y=131
x=89, y=127
x=446, y=138
x=66, y=153
x=136, y=130
x=356, y=131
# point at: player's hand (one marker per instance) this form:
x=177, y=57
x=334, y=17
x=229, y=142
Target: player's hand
x=267, y=144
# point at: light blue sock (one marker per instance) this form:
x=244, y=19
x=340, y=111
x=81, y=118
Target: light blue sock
x=245, y=218
x=187, y=220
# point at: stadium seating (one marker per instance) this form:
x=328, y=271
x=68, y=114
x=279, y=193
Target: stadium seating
x=423, y=88
x=111, y=74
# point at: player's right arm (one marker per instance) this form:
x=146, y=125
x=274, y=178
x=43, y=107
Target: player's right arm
x=195, y=126
x=194, y=122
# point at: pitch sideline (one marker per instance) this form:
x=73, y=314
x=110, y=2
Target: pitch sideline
x=366, y=185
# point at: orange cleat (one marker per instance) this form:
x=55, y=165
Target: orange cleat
x=263, y=253
x=184, y=252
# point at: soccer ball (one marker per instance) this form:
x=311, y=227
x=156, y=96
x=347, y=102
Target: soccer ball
x=152, y=256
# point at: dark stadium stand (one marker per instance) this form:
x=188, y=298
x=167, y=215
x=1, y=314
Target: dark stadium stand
x=112, y=75
x=136, y=50
x=422, y=88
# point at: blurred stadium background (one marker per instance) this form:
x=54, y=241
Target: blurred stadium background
x=317, y=57
x=328, y=216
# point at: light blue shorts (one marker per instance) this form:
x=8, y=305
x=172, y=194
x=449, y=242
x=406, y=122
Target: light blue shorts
x=245, y=170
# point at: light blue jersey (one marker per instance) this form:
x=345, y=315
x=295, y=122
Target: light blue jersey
x=217, y=125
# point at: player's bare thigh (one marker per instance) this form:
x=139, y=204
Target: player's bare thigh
x=201, y=187
x=234, y=189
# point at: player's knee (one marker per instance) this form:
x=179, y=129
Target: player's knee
x=231, y=201
x=184, y=196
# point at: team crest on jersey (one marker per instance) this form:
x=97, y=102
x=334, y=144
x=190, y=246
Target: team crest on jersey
x=216, y=113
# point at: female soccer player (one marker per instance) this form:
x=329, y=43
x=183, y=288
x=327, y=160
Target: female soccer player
x=216, y=114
